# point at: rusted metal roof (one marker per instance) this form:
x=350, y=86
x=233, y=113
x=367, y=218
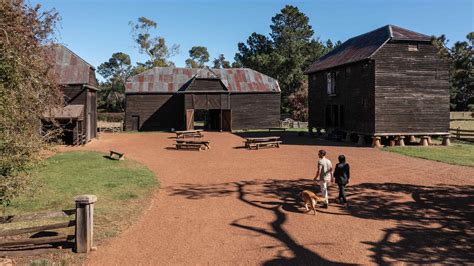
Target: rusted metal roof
x=69, y=68
x=170, y=79
x=72, y=111
x=365, y=46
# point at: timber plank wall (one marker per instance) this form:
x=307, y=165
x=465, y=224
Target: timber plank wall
x=354, y=90
x=411, y=90
x=156, y=111
x=255, y=110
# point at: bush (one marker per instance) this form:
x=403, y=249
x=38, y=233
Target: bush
x=28, y=90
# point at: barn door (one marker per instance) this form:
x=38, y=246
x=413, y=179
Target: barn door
x=226, y=120
x=135, y=122
x=189, y=119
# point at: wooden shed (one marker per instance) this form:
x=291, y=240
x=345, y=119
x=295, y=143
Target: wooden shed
x=78, y=85
x=389, y=82
x=166, y=98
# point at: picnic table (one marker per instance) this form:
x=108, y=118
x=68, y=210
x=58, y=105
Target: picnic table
x=189, y=134
x=256, y=143
x=193, y=144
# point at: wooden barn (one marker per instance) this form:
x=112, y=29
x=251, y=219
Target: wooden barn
x=165, y=98
x=387, y=84
x=78, y=84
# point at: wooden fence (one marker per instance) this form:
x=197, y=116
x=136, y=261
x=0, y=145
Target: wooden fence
x=83, y=223
x=462, y=134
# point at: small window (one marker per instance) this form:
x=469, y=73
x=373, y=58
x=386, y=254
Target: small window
x=413, y=47
x=348, y=71
x=331, y=83
x=314, y=77
x=365, y=69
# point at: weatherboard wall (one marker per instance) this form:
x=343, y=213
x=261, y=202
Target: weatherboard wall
x=411, y=89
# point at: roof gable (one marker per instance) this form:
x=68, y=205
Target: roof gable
x=169, y=79
x=69, y=68
x=364, y=46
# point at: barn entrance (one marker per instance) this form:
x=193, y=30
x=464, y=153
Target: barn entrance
x=209, y=119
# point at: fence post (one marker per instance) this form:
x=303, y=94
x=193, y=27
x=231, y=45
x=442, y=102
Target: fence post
x=84, y=223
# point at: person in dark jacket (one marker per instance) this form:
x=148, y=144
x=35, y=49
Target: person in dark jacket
x=342, y=176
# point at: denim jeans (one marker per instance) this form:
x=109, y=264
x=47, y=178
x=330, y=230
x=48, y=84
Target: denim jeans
x=342, y=195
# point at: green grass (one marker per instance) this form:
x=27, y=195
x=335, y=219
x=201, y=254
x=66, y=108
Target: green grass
x=459, y=154
x=122, y=189
x=463, y=124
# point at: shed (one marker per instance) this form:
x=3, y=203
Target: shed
x=387, y=82
x=166, y=98
x=78, y=85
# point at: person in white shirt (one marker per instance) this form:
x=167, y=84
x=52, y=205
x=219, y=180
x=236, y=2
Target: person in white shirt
x=324, y=175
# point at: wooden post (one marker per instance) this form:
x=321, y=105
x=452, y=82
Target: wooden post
x=412, y=139
x=429, y=141
x=348, y=137
x=424, y=140
x=400, y=141
x=84, y=223
x=446, y=141
x=361, y=140
x=318, y=131
x=376, y=143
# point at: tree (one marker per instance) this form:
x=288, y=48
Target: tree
x=198, y=57
x=284, y=55
x=220, y=62
x=28, y=92
x=298, y=103
x=155, y=47
x=112, y=91
x=460, y=58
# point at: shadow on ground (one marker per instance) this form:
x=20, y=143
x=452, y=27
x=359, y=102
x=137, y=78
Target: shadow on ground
x=295, y=138
x=434, y=224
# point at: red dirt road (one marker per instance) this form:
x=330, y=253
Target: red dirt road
x=229, y=205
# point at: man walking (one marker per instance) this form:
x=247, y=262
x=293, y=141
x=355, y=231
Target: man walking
x=324, y=175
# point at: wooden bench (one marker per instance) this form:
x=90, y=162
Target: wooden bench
x=184, y=145
x=276, y=129
x=189, y=134
x=266, y=144
x=120, y=156
x=206, y=143
x=261, y=142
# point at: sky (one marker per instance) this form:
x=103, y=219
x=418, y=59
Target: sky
x=96, y=29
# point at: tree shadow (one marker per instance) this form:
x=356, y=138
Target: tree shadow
x=433, y=223
x=276, y=196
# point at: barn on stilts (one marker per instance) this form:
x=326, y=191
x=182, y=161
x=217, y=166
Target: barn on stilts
x=168, y=98
x=77, y=79
x=388, y=84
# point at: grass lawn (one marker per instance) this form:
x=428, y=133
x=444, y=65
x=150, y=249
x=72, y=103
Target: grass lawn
x=122, y=188
x=460, y=154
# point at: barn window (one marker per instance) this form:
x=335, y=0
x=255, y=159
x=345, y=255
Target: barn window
x=331, y=83
x=365, y=69
x=348, y=71
x=413, y=47
x=313, y=77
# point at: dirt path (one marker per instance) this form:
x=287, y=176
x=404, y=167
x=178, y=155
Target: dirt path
x=233, y=206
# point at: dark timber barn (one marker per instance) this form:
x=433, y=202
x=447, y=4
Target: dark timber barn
x=77, y=78
x=388, y=84
x=165, y=98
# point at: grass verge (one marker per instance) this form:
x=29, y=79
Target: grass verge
x=122, y=188
x=459, y=154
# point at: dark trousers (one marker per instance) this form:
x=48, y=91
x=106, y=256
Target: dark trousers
x=342, y=195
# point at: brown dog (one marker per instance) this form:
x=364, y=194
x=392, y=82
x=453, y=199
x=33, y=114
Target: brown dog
x=309, y=199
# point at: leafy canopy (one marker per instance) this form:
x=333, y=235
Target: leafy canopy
x=285, y=53
x=198, y=57
x=28, y=91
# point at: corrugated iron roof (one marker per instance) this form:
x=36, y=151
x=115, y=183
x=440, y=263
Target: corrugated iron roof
x=170, y=79
x=72, y=111
x=364, y=46
x=69, y=67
